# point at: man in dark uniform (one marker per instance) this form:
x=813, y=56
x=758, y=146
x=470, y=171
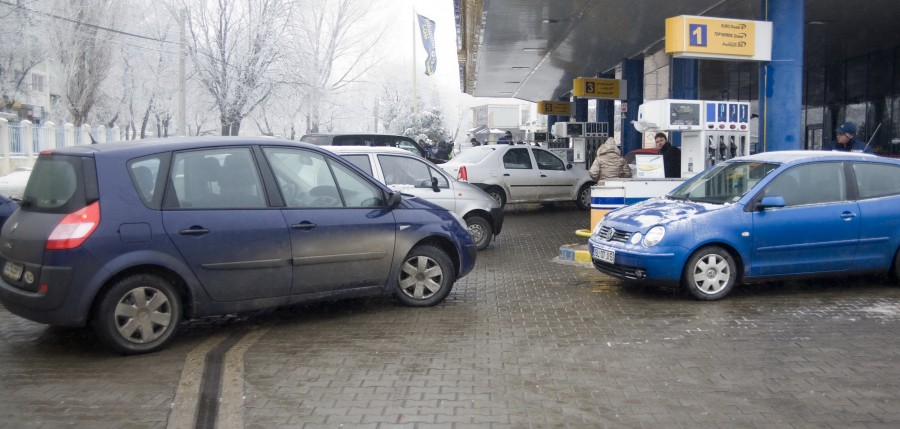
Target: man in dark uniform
x=845, y=140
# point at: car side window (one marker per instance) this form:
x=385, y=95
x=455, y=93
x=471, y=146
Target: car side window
x=360, y=140
x=144, y=173
x=356, y=190
x=309, y=179
x=810, y=184
x=877, y=180
x=402, y=170
x=409, y=147
x=548, y=161
x=517, y=159
x=216, y=179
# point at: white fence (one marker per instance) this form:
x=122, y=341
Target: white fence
x=21, y=142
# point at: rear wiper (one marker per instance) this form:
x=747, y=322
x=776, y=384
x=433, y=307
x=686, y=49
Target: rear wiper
x=25, y=202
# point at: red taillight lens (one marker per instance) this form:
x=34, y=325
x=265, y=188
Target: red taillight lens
x=462, y=175
x=74, y=228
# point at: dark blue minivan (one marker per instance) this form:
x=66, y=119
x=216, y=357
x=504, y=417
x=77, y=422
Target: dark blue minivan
x=133, y=238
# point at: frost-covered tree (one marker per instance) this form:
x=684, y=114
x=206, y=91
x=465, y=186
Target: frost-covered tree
x=140, y=93
x=334, y=51
x=236, y=51
x=23, y=48
x=83, y=49
x=398, y=116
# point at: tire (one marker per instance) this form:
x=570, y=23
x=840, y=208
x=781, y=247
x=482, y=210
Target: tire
x=426, y=277
x=710, y=273
x=480, y=230
x=497, y=194
x=138, y=314
x=895, y=271
x=583, y=199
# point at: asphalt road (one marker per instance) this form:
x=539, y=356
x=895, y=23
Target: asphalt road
x=522, y=342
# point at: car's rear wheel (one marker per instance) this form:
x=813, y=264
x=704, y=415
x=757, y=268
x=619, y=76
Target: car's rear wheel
x=584, y=196
x=480, y=230
x=426, y=277
x=138, y=314
x=497, y=194
x=710, y=273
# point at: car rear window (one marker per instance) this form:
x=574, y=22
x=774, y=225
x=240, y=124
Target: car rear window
x=57, y=184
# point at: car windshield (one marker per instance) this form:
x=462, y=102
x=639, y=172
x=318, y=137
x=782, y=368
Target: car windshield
x=723, y=184
x=474, y=154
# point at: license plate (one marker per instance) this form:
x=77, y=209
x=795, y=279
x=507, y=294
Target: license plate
x=12, y=270
x=605, y=255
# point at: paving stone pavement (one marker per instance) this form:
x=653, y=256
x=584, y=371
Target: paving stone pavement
x=522, y=342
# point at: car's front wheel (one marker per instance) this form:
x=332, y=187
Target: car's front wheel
x=896, y=271
x=584, y=196
x=138, y=314
x=426, y=277
x=480, y=230
x=710, y=273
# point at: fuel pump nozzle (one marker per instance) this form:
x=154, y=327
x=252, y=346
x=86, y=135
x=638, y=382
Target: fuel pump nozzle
x=723, y=150
x=711, y=151
x=733, y=146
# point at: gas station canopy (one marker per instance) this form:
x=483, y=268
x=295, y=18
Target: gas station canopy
x=533, y=49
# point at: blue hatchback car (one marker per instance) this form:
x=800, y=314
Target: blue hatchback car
x=132, y=238
x=768, y=216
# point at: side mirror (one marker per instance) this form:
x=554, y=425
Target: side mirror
x=434, y=185
x=394, y=199
x=772, y=202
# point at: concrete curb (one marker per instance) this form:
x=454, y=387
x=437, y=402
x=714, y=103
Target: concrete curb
x=576, y=254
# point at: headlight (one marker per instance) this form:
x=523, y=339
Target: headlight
x=636, y=237
x=654, y=236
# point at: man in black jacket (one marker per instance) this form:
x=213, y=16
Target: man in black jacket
x=671, y=155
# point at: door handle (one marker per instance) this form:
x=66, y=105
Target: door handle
x=194, y=230
x=305, y=225
x=506, y=174
x=543, y=175
x=847, y=215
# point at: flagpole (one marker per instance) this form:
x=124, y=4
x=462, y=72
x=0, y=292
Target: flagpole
x=415, y=100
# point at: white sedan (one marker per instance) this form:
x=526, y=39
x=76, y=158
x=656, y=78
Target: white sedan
x=13, y=184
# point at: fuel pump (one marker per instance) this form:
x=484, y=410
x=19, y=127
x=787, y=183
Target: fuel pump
x=711, y=131
x=724, y=133
x=584, y=139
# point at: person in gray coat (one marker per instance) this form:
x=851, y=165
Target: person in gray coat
x=609, y=163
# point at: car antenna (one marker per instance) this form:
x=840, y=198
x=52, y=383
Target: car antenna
x=873, y=137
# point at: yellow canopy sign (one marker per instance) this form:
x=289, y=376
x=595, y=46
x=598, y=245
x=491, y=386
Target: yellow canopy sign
x=609, y=89
x=561, y=108
x=712, y=36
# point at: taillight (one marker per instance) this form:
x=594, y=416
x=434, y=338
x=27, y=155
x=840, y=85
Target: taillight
x=74, y=228
x=463, y=175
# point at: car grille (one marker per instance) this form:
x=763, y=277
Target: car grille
x=611, y=234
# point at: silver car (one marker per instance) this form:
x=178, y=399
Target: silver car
x=522, y=174
x=405, y=172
